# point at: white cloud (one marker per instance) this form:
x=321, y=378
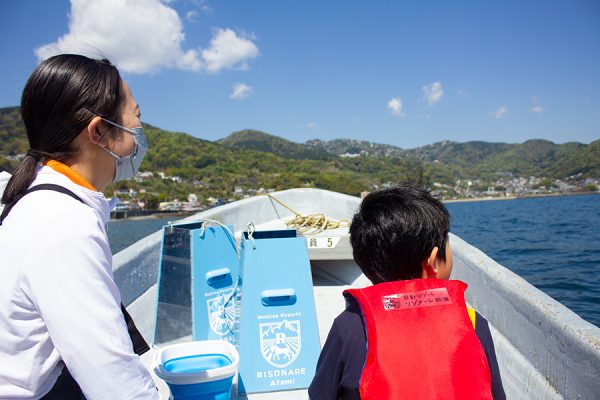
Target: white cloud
x=536, y=107
x=192, y=16
x=433, y=92
x=395, y=107
x=228, y=50
x=500, y=112
x=142, y=36
x=241, y=91
x=203, y=6
x=462, y=92
x=200, y=5
x=311, y=125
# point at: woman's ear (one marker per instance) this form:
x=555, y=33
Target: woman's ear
x=429, y=265
x=95, y=131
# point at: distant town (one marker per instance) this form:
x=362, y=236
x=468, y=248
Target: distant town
x=505, y=187
x=508, y=185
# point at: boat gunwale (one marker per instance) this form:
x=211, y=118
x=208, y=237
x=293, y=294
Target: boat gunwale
x=519, y=313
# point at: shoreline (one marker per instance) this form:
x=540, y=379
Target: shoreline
x=182, y=214
x=155, y=216
x=529, y=196
x=478, y=199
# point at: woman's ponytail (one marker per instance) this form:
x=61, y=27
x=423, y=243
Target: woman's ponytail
x=21, y=178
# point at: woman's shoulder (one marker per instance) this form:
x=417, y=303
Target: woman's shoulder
x=65, y=202
x=53, y=210
x=47, y=218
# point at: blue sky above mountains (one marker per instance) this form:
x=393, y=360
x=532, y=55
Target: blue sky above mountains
x=405, y=73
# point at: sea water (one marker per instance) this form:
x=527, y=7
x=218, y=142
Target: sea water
x=124, y=232
x=552, y=242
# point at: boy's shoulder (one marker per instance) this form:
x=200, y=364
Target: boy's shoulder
x=350, y=318
x=349, y=328
x=342, y=357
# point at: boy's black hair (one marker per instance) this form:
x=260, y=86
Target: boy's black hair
x=395, y=230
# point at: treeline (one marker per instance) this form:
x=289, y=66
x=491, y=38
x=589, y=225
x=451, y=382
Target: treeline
x=253, y=159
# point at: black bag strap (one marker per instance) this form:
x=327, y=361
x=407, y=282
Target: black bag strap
x=43, y=186
x=139, y=343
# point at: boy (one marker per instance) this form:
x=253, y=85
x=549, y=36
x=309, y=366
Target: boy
x=409, y=335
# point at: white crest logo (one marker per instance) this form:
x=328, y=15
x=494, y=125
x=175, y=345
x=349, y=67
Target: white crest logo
x=280, y=342
x=221, y=316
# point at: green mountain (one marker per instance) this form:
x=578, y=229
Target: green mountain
x=256, y=140
x=217, y=167
x=214, y=169
x=362, y=147
x=253, y=159
x=478, y=159
x=13, y=140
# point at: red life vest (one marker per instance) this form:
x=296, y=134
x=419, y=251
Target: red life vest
x=420, y=342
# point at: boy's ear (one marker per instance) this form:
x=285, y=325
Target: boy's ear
x=429, y=266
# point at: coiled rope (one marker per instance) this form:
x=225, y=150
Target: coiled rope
x=310, y=224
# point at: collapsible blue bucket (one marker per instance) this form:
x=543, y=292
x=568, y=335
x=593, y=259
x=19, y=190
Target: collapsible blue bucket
x=200, y=370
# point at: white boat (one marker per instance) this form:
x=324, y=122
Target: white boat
x=544, y=350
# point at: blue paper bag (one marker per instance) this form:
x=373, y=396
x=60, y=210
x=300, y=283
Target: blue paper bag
x=198, y=273
x=279, y=338
x=216, y=266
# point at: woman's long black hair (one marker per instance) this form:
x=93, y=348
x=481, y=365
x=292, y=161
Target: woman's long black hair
x=55, y=107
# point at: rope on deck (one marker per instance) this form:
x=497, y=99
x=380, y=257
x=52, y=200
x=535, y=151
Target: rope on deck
x=310, y=224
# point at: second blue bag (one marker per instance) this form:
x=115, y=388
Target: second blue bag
x=279, y=338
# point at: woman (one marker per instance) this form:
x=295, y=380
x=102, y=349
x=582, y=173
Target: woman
x=62, y=330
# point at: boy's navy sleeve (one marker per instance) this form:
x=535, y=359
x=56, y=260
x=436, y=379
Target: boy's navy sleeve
x=342, y=359
x=325, y=384
x=482, y=330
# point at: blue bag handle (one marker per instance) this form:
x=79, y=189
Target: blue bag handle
x=278, y=297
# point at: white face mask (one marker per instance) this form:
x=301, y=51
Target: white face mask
x=127, y=167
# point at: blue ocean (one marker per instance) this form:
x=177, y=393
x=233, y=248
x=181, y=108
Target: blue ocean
x=552, y=242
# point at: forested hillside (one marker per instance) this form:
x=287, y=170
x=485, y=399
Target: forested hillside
x=254, y=160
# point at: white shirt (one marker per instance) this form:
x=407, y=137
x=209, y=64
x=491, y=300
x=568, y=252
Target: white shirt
x=58, y=300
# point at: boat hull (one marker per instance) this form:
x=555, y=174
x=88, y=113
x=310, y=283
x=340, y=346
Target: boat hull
x=544, y=350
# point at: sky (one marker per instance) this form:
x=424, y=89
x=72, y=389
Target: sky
x=406, y=73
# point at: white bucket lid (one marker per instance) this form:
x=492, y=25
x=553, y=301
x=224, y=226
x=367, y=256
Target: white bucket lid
x=196, y=348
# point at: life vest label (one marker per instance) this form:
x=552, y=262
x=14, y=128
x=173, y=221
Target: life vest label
x=423, y=298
